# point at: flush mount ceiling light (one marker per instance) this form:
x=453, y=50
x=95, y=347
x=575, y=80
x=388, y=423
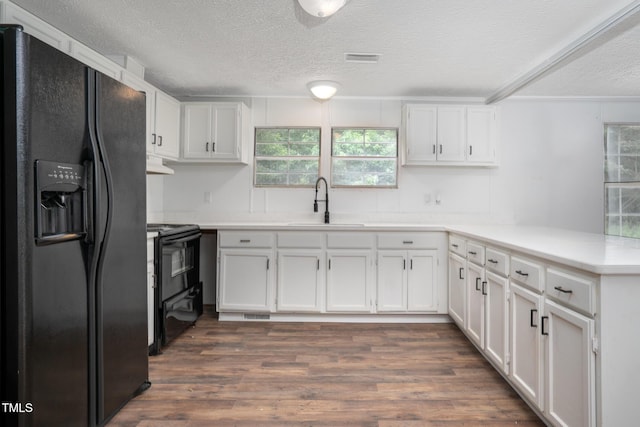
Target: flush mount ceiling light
x=321, y=8
x=323, y=89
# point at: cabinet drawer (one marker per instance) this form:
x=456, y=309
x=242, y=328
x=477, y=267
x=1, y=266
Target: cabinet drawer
x=527, y=272
x=408, y=240
x=571, y=290
x=249, y=239
x=458, y=245
x=350, y=240
x=497, y=261
x=299, y=239
x=475, y=253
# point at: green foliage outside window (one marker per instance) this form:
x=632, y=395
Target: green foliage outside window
x=364, y=157
x=287, y=156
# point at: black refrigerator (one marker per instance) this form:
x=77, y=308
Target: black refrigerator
x=73, y=239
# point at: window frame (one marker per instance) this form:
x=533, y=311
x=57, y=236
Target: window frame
x=256, y=157
x=619, y=184
x=365, y=128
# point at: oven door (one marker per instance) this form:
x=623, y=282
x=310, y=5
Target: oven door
x=180, y=264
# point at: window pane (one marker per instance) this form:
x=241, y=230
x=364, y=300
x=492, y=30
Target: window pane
x=622, y=210
x=287, y=156
x=364, y=172
x=622, y=152
x=364, y=157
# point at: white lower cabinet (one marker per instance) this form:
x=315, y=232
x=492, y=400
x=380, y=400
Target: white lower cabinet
x=496, y=330
x=457, y=288
x=475, y=304
x=245, y=280
x=349, y=280
x=330, y=272
x=526, y=367
x=300, y=279
x=570, y=366
x=407, y=280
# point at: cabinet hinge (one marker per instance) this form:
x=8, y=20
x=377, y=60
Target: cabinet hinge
x=595, y=345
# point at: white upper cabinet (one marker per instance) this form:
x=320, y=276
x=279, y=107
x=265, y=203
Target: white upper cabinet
x=166, y=137
x=481, y=134
x=163, y=119
x=449, y=135
x=215, y=131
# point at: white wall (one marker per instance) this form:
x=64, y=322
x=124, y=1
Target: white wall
x=550, y=171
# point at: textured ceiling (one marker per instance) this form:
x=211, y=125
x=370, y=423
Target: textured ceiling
x=428, y=47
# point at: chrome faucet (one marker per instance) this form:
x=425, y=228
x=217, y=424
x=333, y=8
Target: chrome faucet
x=326, y=199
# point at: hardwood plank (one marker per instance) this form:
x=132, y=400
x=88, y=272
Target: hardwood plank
x=323, y=374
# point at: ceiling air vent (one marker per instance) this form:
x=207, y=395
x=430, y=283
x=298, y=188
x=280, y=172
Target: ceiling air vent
x=364, y=58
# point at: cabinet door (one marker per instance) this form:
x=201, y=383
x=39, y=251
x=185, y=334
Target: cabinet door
x=167, y=126
x=451, y=134
x=570, y=365
x=420, y=134
x=392, y=279
x=299, y=280
x=226, y=131
x=348, y=281
x=245, y=280
x=481, y=134
x=421, y=280
x=526, y=370
x=196, y=135
x=496, y=319
x=457, y=288
x=150, y=94
x=475, y=304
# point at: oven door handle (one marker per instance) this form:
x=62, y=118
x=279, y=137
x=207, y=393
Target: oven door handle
x=183, y=239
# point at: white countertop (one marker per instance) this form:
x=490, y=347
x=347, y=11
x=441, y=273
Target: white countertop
x=595, y=253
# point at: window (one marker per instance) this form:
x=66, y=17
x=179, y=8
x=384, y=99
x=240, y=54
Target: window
x=622, y=180
x=287, y=156
x=364, y=157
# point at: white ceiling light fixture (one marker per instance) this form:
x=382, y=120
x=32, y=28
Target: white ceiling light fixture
x=323, y=89
x=321, y=8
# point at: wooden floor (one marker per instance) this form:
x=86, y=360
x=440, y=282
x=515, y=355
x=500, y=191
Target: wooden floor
x=323, y=374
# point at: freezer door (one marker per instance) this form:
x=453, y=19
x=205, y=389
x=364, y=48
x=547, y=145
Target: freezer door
x=45, y=311
x=121, y=282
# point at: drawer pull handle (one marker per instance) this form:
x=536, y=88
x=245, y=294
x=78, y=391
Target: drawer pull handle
x=561, y=289
x=245, y=240
x=522, y=273
x=492, y=261
x=473, y=253
x=454, y=245
x=407, y=242
x=533, y=313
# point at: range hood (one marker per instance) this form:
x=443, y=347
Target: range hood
x=155, y=166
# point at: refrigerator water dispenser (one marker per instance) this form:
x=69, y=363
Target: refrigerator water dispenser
x=60, y=202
